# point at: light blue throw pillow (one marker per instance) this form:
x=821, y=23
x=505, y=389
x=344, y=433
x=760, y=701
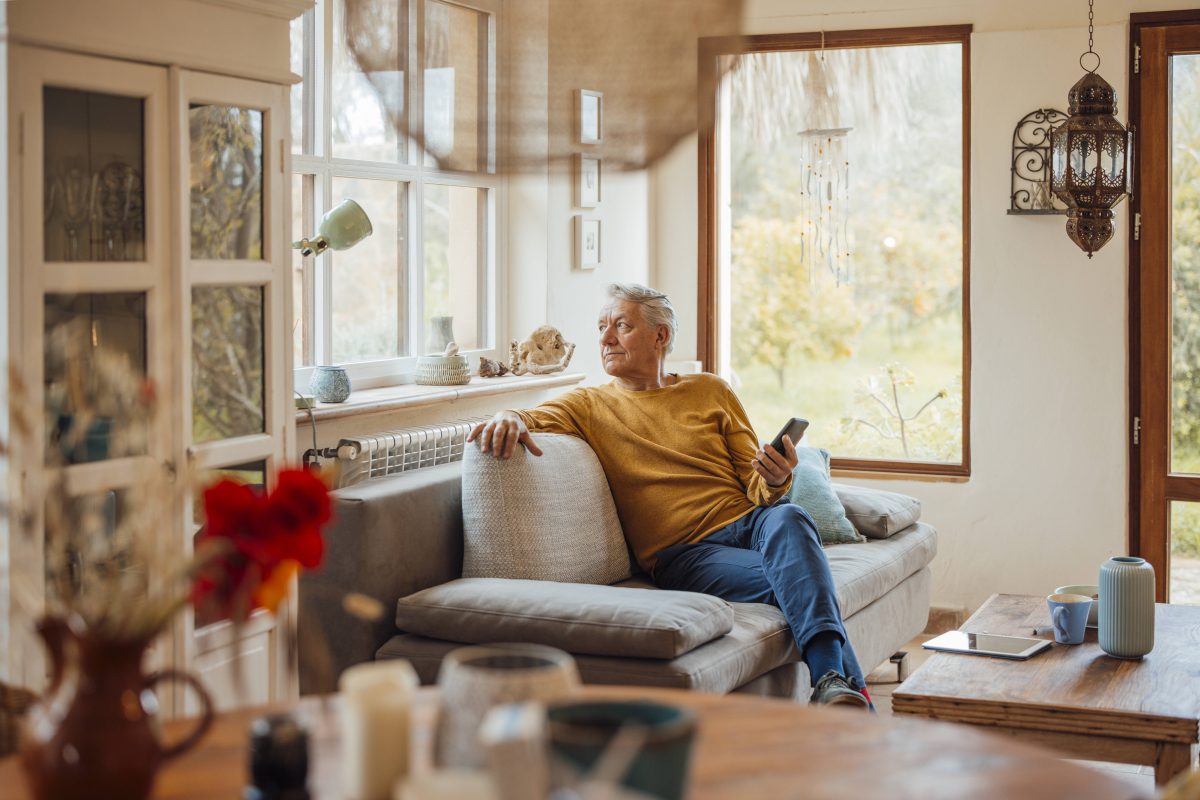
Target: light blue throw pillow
x=812, y=491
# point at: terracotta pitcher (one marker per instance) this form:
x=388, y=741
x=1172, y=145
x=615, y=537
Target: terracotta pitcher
x=93, y=735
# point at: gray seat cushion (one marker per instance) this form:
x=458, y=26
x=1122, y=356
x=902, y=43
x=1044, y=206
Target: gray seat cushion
x=758, y=642
x=579, y=618
x=865, y=572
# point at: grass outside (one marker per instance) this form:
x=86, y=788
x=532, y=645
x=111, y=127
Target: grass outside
x=828, y=392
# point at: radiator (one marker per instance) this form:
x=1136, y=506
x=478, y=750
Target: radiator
x=392, y=452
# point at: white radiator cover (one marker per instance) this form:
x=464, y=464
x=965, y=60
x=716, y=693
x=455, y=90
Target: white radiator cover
x=377, y=455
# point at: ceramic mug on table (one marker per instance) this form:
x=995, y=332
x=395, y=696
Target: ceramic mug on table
x=1087, y=590
x=1068, y=616
x=646, y=746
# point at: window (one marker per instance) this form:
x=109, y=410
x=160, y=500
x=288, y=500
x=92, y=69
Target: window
x=834, y=253
x=433, y=207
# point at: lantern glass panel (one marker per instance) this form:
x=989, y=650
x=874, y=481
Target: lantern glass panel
x=1113, y=159
x=1058, y=159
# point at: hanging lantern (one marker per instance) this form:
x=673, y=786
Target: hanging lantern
x=1090, y=157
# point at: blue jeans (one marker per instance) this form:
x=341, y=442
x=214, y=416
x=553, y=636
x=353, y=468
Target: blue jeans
x=771, y=555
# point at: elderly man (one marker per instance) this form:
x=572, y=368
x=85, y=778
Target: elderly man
x=702, y=505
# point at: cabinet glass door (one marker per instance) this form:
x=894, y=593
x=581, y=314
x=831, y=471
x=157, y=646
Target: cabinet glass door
x=93, y=194
x=237, y=392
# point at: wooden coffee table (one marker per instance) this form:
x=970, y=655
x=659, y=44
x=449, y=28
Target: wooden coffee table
x=746, y=747
x=1072, y=698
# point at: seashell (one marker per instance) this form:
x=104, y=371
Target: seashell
x=451, y=349
x=491, y=369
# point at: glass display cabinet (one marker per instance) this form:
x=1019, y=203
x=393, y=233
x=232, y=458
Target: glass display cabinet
x=148, y=260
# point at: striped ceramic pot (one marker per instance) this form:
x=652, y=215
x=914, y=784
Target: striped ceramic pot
x=1126, y=607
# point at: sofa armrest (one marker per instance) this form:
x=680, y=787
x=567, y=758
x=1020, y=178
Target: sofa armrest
x=388, y=539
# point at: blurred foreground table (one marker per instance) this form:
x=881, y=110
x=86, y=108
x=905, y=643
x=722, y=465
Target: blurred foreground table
x=747, y=747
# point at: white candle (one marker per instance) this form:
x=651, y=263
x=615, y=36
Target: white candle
x=376, y=699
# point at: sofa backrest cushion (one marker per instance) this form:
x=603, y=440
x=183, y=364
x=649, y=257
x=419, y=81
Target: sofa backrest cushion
x=593, y=620
x=876, y=513
x=547, y=518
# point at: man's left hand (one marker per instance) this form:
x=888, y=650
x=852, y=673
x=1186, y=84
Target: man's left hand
x=773, y=466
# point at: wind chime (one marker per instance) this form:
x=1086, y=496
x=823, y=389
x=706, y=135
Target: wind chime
x=825, y=195
x=826, y=201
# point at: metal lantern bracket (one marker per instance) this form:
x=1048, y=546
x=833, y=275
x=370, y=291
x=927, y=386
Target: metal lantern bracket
x=1030, y=191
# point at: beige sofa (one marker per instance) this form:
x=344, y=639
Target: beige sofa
x=399, y=540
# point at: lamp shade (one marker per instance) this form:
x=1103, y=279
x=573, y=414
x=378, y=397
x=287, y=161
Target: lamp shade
x=1089, y=162
x=342, y=227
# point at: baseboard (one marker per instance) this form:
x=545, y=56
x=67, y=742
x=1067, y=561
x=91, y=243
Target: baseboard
x=945, y=618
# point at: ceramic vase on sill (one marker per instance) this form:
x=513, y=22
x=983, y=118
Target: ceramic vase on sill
x=1126, y=607
x=330, y=384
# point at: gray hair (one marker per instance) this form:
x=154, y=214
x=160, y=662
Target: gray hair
x=656, y=306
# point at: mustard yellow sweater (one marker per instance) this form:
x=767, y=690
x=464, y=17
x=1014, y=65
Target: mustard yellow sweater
x=678, y=459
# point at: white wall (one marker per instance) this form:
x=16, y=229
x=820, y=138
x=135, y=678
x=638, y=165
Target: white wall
x=1046, y=501
x=544, y=287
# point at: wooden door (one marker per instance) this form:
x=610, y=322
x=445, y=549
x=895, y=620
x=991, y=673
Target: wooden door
x=1165, y=302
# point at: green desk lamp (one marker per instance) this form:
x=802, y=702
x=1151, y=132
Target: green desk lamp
x=342, y=227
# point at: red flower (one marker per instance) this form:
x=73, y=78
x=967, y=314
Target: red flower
x=259, y=540
x=300, y=504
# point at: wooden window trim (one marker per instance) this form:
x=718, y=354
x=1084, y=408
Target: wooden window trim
x=1147, y=540
x=710, y=50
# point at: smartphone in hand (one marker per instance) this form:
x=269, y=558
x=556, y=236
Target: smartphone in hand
x=794, y=428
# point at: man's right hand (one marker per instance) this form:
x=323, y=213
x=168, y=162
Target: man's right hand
x=501, y=434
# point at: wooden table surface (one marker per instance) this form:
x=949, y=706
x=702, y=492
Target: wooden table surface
x=746, y=747
x=1073, y=697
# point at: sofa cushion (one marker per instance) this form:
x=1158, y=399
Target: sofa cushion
x=758, y=642
x=812, y=491
x=548, y=518
x=864, y=573
x=604, y=620
x=876, y=513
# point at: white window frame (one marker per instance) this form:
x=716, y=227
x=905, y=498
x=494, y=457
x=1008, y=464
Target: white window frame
x=317, y=160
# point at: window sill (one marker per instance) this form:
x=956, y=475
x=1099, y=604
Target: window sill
x=411, y=395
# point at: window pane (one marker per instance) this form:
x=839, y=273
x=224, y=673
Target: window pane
x=456, y=85
x=94, y=203
x=368, y=298
x=845, y=247
x=298, y=60
x=95, y=364
x=226, y=181
x=453, y=246
x=362, y=127
x=1185, y=553
x=227, y=362
x=1185, y=263
x=302, y=271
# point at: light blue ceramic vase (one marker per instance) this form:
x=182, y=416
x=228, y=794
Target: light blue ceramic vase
x=330, y=384
x=1126, y=607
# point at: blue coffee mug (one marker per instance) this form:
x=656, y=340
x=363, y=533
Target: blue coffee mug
x=1069, y=616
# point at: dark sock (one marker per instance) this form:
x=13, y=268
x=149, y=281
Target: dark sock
x=824, y=653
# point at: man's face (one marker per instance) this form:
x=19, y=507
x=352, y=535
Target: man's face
x=628, y=344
